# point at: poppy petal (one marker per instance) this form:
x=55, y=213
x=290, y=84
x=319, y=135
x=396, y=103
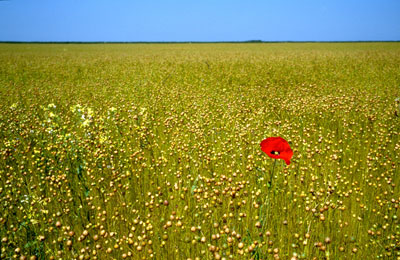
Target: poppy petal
x=277, y=148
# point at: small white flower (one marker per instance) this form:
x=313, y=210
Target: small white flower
x=25, y=199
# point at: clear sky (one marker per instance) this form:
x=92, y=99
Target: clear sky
x=200, y=20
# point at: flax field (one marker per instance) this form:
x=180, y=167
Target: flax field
x=152, y=151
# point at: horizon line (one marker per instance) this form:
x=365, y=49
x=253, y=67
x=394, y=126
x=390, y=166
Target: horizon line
x=179, y=42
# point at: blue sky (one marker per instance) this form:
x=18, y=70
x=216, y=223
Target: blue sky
x=201, y=20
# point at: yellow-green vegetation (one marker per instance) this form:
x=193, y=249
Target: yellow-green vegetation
x=144, y=151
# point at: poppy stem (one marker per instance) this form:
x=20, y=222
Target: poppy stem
x=272, y=174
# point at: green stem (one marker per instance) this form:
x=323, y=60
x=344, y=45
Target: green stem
x=272, y=175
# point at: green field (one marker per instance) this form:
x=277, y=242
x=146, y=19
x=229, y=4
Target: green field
x=140, y=151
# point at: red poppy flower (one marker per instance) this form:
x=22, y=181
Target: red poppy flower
x=277, y=148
